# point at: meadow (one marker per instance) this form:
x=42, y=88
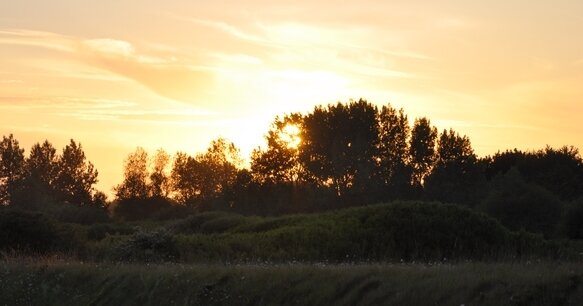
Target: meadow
x=54, y=282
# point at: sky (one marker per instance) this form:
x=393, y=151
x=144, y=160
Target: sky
x=176, y=74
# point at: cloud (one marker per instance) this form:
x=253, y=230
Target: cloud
x=88, y=109
x=166, y=76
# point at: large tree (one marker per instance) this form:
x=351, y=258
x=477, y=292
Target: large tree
x=394, y=171
x=339, y=145
x=40, y=176
x=76, y=177
x=11, y=168
x=422, y=149
x=159, y=178
x=279, y=163
x=457, y=176
x=135, y=183
x=202, y=180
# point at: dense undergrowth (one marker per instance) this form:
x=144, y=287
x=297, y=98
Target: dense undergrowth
x=395, y=232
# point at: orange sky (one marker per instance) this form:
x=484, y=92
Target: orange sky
x=176, y=74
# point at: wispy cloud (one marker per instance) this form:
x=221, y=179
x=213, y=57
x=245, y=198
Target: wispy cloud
x=169, y=77
x=319, y=47
x=102, y=109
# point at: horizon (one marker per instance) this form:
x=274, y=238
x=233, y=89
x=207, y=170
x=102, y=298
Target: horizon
x=179, y=74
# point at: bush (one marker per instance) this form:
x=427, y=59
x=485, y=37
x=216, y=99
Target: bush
x=520, y=205
x=101, y=230
x=134, y=209
x=81, y=215
x=572, y=226
x=27, y=232
x=155, y=246
x=194, y=223
x=402, y=230
x=222, y=224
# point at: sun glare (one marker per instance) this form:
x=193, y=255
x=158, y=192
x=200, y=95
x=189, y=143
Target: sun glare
x=290, y=135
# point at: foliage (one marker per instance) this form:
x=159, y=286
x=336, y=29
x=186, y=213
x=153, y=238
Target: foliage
x=422, y=149
x=135, y=176
x=557, y=170
x=99, y=231
x=572, y=226
x=153, y=246
x=11, y=167
x=394, y=172
x=280, y=163
x=520, y=205
x=398, y=231
x=80, y=215
x=339, y=145
x=131, y=209
x=27, y=232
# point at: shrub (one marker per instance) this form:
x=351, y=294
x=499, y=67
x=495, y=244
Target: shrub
x=572, y=225
x=154, y=246
x=520, y=205
x=27, y=232
x=193, y=224
x=81, y=215
x=222, y=224
x=133, y=209
x=101, y=230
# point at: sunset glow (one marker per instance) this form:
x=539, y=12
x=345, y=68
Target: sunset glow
x=176, y=74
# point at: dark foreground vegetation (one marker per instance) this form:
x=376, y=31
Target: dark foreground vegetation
x=396, y=232
x=64, y=283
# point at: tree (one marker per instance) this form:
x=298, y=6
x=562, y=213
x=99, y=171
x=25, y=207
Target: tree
x=422, y=150
x=76, y=176
x=135, y=183
x=217, y=170
x=11, y=168
x=42, y=163
x=182, y=178
x=40, y=176
x=159, y=180
x=394, y=171
x=518, y=204
x=279, y=163
x=339, y=146
x=558, y=170
x=456, y=176
x=201, y=181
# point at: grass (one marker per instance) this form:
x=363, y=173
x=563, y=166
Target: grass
x=58, y=282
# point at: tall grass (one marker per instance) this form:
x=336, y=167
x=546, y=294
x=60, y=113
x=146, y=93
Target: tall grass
x=66, y=283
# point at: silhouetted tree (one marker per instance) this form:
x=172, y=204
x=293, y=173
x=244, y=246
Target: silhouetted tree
x=183, y=178
x=456, y=177
x=11, y=168
x=41, y=170
x=201, y=181
x=558, y=170
x=522, y=205
x=279, y=163
x=135, y=183
x=339, y=146
x=394, y=171
x=159, y=180
x=76, y=176
x=422, y=149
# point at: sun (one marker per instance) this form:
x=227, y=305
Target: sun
x=290, y=135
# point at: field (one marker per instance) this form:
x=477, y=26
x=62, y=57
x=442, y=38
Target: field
x=55, y=282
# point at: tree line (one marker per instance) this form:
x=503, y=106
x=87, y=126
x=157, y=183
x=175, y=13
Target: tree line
x=338, y=155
